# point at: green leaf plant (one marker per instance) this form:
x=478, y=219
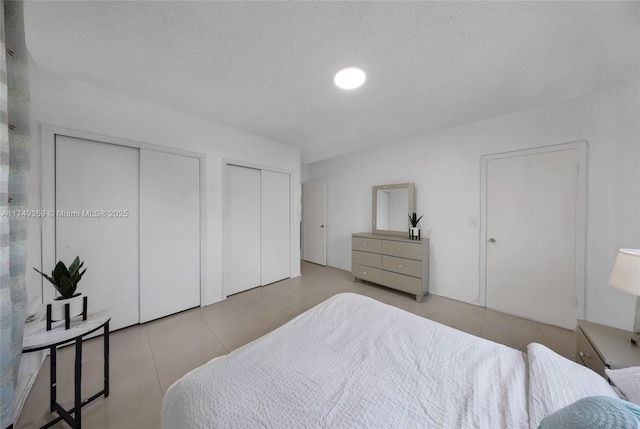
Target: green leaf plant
x=413, y=219
x=65, y=280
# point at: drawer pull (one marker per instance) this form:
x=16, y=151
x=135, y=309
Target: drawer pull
x=399, y=282
x=400, y=249
x=364, y=272
x=399, y=265
x=364, y=245
x=583, y=354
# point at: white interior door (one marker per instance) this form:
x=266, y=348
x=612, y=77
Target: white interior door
x=314, y=221
x=531, y=236
x=96, y=199
x=169, y=234
x=241, y=232
x=276, y=226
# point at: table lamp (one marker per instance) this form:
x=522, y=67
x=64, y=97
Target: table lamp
x=625, y=276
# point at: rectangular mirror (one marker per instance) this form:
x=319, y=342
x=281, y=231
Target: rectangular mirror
x=391, y=206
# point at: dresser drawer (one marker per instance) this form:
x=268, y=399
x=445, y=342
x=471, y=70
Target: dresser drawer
x=402, y=249
x=401, y=282
x=587, y=355
x=366, y=244
x=368, y=259
x=370, y=274
x=408, y=267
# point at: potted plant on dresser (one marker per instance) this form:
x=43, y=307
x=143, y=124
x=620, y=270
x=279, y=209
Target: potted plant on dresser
x=65, y=281
x=414, y=231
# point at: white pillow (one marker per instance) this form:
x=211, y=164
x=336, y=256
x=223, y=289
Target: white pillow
x=555, y=382
x=627, y=380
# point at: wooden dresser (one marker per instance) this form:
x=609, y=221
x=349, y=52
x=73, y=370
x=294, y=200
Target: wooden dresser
x=395, y=262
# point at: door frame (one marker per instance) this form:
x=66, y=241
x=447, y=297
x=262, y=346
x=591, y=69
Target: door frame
x=48, y=135
x=581, y=146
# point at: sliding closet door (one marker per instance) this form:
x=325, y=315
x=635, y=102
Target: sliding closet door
x=169, y=234
x=275, y=226
x=241, y=230
x=96, y=194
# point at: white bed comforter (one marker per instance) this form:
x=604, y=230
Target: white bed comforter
x=355, y=362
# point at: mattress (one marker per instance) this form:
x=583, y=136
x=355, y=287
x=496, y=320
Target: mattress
x=352, y=361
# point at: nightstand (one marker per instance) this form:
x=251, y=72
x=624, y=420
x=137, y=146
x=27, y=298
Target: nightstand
x=601, y=346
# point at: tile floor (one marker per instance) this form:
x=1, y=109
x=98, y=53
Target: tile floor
x=146, y=359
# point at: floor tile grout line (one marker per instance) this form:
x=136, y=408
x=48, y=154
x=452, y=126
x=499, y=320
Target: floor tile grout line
x=212, y=331
x=155, y=363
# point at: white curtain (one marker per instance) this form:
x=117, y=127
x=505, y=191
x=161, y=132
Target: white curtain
x=15, y=141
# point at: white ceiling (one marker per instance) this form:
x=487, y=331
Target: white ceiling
x=267, y=67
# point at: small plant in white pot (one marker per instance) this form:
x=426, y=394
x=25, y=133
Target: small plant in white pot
x=414, y=231
x=65, y=280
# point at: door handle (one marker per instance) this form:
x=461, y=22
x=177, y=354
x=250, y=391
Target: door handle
x=492, y=240
x=321, y=226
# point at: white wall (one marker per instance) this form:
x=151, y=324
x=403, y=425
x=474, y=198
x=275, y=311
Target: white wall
x=69, y=103
x=445, y=166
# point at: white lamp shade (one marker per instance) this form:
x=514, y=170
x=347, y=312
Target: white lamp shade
x=625, y=275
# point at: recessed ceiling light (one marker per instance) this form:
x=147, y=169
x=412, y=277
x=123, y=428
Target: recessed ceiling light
x=349, y=78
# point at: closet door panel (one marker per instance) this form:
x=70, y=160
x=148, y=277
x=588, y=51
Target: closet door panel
x=275, y=226
x=96, y=194
x=169, y=234
x=241, y=231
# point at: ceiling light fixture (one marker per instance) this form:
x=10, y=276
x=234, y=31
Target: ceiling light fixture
x=349, y=78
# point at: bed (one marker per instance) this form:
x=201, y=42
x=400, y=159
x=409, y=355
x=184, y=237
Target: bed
x=352, y=361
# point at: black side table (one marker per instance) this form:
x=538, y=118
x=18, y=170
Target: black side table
x=38, y=338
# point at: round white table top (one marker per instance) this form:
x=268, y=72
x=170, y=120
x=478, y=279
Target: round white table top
x=36, y=336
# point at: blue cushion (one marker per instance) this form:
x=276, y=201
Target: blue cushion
x=594, y=412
